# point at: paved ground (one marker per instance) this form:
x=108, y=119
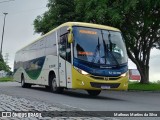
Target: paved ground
x=14, y=98
x=18, y=108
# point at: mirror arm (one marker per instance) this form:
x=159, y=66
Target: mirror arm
x=70, y=35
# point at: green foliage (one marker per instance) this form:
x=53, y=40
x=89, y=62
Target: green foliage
x=3, y=65
x=60, y=11
x=1, y=58
x=6, y=79
x=138, y=20
x=144, y=87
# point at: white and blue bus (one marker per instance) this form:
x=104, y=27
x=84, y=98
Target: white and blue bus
x=75, y=55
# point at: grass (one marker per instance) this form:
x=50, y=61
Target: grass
x=6, y=79
x=144, y=87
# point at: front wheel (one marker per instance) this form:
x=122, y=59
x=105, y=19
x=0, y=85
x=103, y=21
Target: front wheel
x=94, y=92
x=48, y=87
x=54, y=87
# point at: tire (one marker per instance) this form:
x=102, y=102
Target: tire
x=94, y=92
x=28, y=85
x=53, y=86
x=48, y=88
x=23, y=84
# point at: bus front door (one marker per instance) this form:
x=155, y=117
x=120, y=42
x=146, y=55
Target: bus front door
x=62, y=60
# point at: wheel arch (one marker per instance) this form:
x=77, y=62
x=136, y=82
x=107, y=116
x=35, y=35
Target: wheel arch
x=22, y=76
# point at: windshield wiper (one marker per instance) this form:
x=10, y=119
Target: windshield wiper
x=96, y=51
x=106, y=49
x=111, y=45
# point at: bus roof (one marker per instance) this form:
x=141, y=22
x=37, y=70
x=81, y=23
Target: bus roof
x=83, y=24
x=91, y=25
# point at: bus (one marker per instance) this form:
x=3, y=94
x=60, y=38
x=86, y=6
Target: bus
x=75, y=55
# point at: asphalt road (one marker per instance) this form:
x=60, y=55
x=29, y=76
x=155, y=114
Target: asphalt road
x=79, y=99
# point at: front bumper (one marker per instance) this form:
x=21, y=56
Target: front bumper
x=88, y=82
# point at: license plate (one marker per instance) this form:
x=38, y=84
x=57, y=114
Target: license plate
x=105, y=87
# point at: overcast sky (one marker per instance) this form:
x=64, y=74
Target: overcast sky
x=19, y=30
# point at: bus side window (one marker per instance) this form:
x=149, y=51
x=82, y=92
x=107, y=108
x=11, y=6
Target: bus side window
x=64, y=48
x=68, y=50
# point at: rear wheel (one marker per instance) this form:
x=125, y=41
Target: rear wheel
x=94, y=92
x=48, y=87
x=23, y=84
x=53, y=85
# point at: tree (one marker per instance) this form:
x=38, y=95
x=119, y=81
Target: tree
x=59, y=11
x=1, y=57
x=140, y=27
x=1, y=62
x=138, y=20
x=157, y=44
x=3, y=65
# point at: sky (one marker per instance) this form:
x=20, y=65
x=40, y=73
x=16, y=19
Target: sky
x=19, y=30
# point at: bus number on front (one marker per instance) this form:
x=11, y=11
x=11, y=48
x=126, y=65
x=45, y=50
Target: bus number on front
x=114, y=73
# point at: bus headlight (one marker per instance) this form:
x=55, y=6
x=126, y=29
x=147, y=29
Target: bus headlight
x=81, y=71
x=84, y=72
x=124, y=74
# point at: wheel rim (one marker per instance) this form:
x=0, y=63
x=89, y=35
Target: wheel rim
x=22, y=83
x=54, y=85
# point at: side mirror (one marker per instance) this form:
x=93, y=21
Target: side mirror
x=70, y=35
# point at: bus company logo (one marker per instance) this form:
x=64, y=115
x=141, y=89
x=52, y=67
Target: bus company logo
x=106, y=78
x=6, y=114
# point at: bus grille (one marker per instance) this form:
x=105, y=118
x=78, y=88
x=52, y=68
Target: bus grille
x=105, y=78
x=99, y=85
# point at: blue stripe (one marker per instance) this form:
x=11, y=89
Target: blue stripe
x=99, y=70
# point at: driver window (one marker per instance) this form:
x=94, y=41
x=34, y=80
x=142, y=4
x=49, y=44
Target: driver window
x=64, y=48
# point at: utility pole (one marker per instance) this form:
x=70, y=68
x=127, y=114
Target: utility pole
x=3, y=30
x=6, y=1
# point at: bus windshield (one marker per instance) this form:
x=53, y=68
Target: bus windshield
x=99, y=46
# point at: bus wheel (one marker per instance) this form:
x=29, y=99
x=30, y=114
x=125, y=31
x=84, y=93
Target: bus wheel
x=48, y=87
x=54, y=87
x=94, y=92
x=23, y=84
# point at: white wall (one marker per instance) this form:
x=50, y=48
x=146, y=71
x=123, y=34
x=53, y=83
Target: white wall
x=3, y=74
